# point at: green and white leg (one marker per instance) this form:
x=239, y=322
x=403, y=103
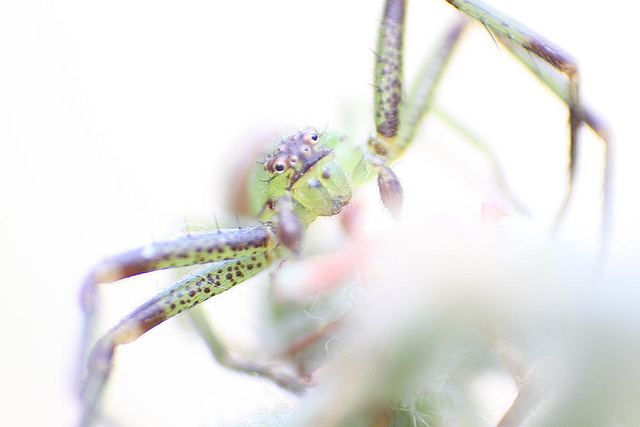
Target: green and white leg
x=229, y=256
x=397, y=120
x=412, y=110
x=558, y=71
x=283, y=377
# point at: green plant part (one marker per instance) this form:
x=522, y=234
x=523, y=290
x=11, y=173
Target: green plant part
x=307, y=175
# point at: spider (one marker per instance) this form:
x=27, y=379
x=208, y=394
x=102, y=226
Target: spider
x=313, y=173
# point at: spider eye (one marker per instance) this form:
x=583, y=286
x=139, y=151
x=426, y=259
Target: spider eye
x=293, y=159
x=279, y=167
x=311, y=137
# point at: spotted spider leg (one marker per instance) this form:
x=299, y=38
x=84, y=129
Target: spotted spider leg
x=396, y=119
x=228, y=257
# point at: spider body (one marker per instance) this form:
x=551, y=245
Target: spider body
x=307, y=175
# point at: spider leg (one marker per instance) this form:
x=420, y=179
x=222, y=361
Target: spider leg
x=396, y=120
x=546, y=60
x=192, y=289
x=587, y=116
x=388, y=79
x=419, y=101
x=238, y=255
x=184, y=251
x=187, y=250
x=284, y=378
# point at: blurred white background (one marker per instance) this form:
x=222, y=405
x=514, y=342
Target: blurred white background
x=120, y=120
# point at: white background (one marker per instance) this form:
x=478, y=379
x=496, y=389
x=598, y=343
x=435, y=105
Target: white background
x=120, y=119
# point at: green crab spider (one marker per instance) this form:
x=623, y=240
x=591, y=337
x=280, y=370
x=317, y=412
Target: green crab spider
x=310, y=174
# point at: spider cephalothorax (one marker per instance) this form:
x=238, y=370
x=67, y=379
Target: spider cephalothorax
x=305, y=175
x=305, y=180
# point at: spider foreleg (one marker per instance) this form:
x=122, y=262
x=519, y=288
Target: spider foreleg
x=232, y=256
x=187, y=250
x=397, y=121
x=184, y=251
x=388, y=74
x=190, y=290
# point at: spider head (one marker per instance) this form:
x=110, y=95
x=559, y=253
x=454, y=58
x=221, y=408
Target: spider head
x=305, y=165
x=296, y=154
